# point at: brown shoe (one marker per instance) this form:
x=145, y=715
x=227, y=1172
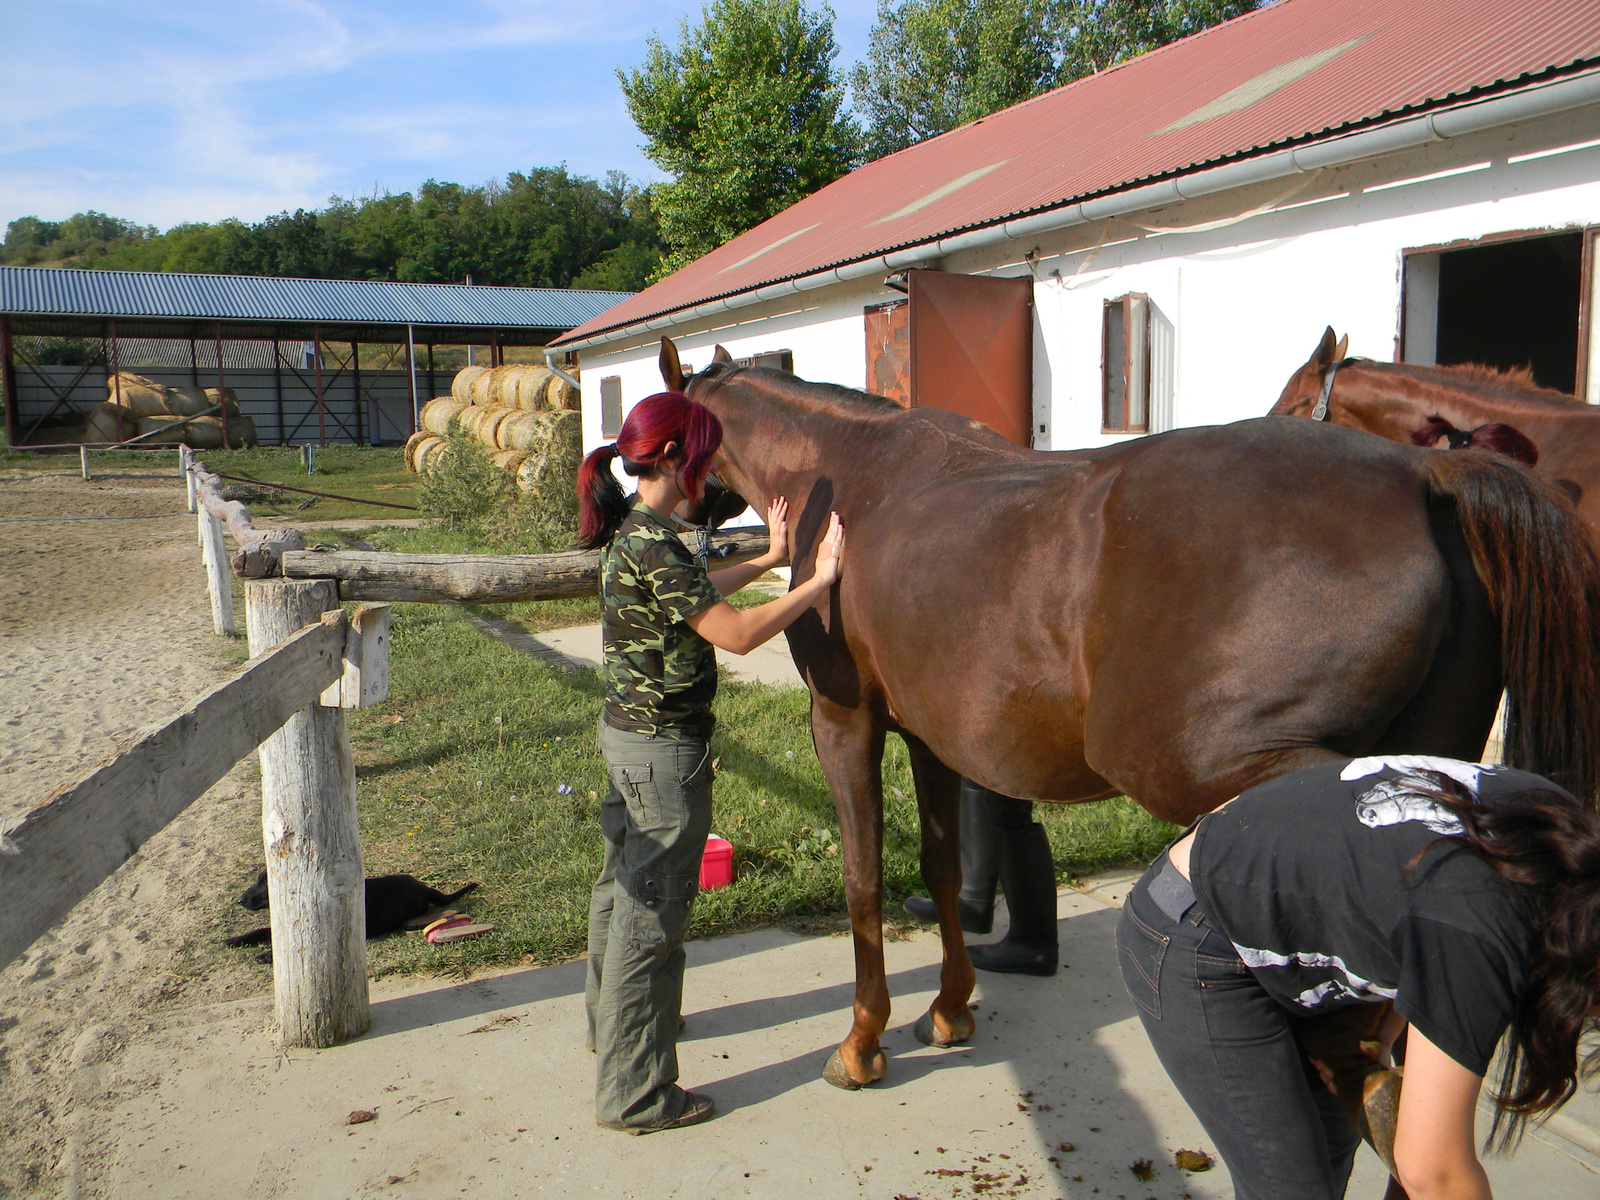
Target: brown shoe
x=695, y=1110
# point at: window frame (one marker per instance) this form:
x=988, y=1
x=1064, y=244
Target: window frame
x=610, y=406
x=1129, y=302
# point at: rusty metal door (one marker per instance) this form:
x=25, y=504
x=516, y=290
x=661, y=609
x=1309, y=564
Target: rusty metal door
x=971, y=348
x=889, y=351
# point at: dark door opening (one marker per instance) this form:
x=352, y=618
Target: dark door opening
x=1513, y=304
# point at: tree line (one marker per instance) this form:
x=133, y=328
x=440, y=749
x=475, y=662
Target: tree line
x=746, y=114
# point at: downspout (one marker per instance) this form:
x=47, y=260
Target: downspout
x=550, y=361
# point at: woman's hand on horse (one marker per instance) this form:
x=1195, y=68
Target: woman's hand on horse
x=778, y=532
x=830, y=552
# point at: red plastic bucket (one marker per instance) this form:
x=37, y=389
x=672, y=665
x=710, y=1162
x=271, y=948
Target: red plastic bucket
x=716, y=868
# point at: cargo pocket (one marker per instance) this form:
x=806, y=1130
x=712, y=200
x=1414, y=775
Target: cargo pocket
x=635, y=783
x=1140, y=950
x=661, y=906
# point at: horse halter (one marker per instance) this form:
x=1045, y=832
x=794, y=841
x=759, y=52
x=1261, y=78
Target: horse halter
x=1320, y=412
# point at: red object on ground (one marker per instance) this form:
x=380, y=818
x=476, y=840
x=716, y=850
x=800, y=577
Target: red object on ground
x=716, y=868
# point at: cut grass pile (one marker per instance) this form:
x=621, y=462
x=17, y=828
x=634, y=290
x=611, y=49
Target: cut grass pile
x=483, y=766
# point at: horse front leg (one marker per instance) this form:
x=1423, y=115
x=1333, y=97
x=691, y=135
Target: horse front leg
x=949, y=1020
x=849, y=744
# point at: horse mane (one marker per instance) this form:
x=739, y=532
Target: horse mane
x=1514, y=382
x=1496, y=436
x=790, y=387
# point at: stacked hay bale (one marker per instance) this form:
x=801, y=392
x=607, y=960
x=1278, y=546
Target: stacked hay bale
x=137, y=405
x=526, y=417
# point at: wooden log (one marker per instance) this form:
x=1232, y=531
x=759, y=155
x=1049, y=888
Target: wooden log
x=481, y=578
x=61, y=850
x=315, y=879
x=219, y=582
x=259, y=549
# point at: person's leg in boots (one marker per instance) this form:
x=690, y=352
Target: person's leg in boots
x=665, y=786
x=979, y=873
x=1028, y=875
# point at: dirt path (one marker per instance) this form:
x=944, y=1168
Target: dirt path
x=104, y=629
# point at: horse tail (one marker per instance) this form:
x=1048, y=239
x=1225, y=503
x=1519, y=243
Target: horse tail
x=1538, y=565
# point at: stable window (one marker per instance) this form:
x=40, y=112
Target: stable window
x=1511, y=301
x=611, y=406
x=1125, y=365
x=778, y=360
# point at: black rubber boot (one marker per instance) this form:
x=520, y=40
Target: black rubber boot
x=979, y=871
x=1028, y=874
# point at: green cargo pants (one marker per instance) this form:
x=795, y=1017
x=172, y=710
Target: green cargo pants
x=655, y=818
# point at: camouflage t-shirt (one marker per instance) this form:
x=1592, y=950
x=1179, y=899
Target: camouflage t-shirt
x=661, y=676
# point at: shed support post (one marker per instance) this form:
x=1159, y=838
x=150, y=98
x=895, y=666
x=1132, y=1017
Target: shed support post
x=194, y=365
x=83, y=461
x=222, y=399
x=315, y=878
x=8, y=382
x=116, y=386
x=433, y=388
x=316, y=353
x=355, y=390
x=277, y=387
x=219, y=577
x=411, y=365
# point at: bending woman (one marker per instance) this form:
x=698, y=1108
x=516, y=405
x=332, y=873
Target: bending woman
x=661, y=613
x=1466, y=895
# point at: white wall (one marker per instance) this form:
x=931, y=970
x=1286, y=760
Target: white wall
x=1246, y=302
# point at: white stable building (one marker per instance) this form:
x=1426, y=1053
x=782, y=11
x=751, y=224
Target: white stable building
x=1163, y=243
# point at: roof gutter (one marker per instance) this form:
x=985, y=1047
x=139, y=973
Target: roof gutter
x=1529, y=104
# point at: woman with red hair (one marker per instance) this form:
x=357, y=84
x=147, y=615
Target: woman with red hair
x=661, y=614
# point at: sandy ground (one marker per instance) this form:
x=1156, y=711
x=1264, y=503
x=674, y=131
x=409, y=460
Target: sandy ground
x=104, y=629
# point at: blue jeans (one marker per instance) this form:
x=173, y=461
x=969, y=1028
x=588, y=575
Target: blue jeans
x=1230, y=1049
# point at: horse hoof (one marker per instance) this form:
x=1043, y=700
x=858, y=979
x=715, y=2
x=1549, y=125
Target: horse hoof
x=1380, y=1104
x=928, y=1032
x=838, y=1074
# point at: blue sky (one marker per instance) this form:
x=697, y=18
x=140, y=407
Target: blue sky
x=192, y=110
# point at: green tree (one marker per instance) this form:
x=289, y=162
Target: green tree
x=933, y=65
x=746, y=114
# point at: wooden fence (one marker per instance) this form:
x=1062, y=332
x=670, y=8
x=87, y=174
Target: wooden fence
x=310, y=662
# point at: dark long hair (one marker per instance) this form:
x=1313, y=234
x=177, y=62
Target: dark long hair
x=1549, y=847
x=654, y=423
x=1496, y=436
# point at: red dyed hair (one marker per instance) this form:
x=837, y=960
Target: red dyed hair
x=655, y=423
x=1496, y=436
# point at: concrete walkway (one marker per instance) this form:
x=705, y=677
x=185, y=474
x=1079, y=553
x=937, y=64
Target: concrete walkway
x=483, y=1088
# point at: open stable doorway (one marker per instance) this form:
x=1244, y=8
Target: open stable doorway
x=1508, y=302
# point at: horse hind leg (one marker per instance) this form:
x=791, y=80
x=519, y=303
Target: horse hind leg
x=949, y=1020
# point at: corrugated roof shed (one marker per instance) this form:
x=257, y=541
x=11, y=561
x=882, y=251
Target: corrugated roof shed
x=1280, y=76
x=157, y=304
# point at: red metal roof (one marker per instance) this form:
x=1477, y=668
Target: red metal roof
x=1294, y=71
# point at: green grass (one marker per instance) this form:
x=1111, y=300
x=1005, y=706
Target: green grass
x=460, y=776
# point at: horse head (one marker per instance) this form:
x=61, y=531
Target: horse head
x=1301, y=393
x=717, y=501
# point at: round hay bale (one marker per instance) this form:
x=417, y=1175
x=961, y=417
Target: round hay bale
x=205, y=433
x=489, y=422
x=495, y=384
x=560, y=395
x=158, y=425
x=428, y=456
x=214, y=397
x=108, y=423
x=241, y=430
x=461, y=386
x=508, y=460
x=140, y=396
x=520, y=431
x=531, y=382
x=480, y=387
x=187, y=401
x=427, y=444
x=437, y=413
x=410, y=448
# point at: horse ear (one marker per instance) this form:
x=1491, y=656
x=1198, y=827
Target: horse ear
x=721, y=355
x=1324, y=355
x=1342, y=350
x=672, y=370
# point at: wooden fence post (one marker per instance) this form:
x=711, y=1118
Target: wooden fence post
x=219, y=576
x=315, y=878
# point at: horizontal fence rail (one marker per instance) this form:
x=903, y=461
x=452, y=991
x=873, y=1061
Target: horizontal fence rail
x=482, y=578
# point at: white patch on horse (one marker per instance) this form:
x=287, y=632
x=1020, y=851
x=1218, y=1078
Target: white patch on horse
x=1357, y=987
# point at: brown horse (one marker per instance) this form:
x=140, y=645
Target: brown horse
x=1399, y=400
x=1173, y=619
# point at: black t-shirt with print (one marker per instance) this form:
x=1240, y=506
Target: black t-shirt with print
x=1311, y=877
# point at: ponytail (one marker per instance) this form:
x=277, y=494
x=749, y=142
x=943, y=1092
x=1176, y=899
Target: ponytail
x=602, y=504
x=655, y=423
